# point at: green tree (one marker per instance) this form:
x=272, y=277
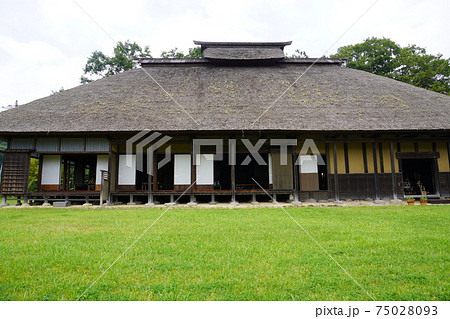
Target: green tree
x=33, y=175
x=102, y=65
x=418, y=68
x=298, y=54
x=195, y=53
x=177, y=54
x=173, y=53
x=374, y=55
x=58, y=91
x=409, y=64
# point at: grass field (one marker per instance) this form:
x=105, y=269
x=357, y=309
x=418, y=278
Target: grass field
x=395, y=253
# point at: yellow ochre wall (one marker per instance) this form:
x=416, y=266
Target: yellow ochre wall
x=443, y=163
x=355, y=158
x=425, y=147
x=386, y=158
x=407, y=147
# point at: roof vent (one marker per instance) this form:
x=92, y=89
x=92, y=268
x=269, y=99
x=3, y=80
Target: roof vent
x=243, y=51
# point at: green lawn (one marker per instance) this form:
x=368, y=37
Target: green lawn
x=395, y=253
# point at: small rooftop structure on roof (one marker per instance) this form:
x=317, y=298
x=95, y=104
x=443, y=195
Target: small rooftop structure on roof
x=244, y=51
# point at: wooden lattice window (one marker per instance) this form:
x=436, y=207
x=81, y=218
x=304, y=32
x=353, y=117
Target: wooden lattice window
x=15, y=173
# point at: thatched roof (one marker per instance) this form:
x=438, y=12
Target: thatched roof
x=327, y=97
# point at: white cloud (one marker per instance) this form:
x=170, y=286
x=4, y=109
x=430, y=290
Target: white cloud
x=34, y=70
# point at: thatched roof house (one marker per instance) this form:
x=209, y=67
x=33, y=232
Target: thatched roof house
x=252, y=90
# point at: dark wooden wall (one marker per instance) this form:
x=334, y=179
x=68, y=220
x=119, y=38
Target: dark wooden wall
x=444, y=184
x=362, y=186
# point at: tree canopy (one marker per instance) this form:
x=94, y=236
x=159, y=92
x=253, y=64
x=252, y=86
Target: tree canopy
x=298, y=54
x=409, y=64
x=58, y=91
x=175, y=53
x=100, y=65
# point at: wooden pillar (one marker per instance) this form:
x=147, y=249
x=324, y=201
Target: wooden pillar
x=448, y=152
x=193, y=173
x=46, y=203
x=233, y=184
x=150, y=192
x=380, y=148
x=296, y=175
x=150, y=172
x=347, y=166
x=336, y=181
x=364, y=151
x=436, y=177
x=327, y=154
x=375, y=171
x=232, y=163
x=213, y=199
x=39, y=181
x=394, y=176
x=110, y=175
x=155, y=173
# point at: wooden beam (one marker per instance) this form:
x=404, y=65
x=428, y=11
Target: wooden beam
x=419, y=155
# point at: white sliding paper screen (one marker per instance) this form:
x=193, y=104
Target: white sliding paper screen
x=308, y=164
x=51, y=170
x=102, y=165
x=127, y=175
x=205, y=169
x=182, y=169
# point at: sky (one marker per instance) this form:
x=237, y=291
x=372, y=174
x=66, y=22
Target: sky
x=44, y=44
